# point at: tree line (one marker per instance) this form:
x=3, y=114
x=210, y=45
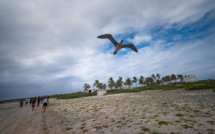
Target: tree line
x=118, y=84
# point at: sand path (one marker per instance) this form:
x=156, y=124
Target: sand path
x=16, y=120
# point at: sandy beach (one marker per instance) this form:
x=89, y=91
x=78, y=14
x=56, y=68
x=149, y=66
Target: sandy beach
x=171, y=112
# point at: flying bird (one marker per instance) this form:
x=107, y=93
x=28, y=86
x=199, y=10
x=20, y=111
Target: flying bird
x=117, y=45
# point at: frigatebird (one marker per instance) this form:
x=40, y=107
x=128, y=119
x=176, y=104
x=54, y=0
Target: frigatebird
x=118, y=45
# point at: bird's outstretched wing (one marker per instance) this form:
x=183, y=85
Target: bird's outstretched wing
x=108, y=36
x=130, y=46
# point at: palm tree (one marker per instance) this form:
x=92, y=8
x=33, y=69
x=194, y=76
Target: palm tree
x=151, y=80
x=100, y=85
x=128, y=82
x=158, y=76
x=147, y=81
x=180, y=77
x=158, y=82
x=104, y=86
x=163, y=80
x=134, y=80
x=173, y=77
x=141, y=80
x=111, y=83
x=119, y=82
x=86, y=87
x=95, y=84
x=153, y=77
x=168, y=79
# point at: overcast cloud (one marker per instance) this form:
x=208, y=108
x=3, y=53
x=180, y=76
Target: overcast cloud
x=51, y=47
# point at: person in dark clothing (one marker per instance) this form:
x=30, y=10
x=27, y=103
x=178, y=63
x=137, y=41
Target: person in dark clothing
x=38, y=101
x=33, y=103
x=31, y=100
x=21, y=102
x=41, y=99
x=45, y=103
x=26, y=101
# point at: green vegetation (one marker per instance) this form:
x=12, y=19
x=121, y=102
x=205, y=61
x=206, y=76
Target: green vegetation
x=73, y=95
x=163, y=123
x=199, y=85
x=179, y=115
x=155, y=133
x=105, y=126
x=211, y=122
x=186, y=126
x=204, y=84
x=85, y=130
x=144, y=128
x=8, y=101
x=68, y=128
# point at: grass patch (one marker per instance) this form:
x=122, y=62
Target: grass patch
x=85, y=130
x=178, y=121
x=179, y=115
x=112, y=120
x=155, y=133
x=73, y=95
x=162, y=123
x=144, y=129
x=186, y=126
x=155, y=116
x=105, y=126
x=211, y=122
x=81, y=127
x=189, y=120
x=119, y=122
x=68, y=128
x=191, y=116
x=196, y=111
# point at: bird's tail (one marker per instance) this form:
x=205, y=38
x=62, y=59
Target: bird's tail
x=114, y=52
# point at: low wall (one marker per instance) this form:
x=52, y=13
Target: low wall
x=101, y=92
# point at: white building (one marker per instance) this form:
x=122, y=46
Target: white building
x=189, y=78
x=90, y=90
x=101, y=92
x=128, y=87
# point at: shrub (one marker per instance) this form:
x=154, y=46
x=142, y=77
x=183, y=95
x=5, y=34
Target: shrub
x=198, y=87
x=116, y=91
x=73, y=95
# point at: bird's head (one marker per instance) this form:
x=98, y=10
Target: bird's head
x=121, y=41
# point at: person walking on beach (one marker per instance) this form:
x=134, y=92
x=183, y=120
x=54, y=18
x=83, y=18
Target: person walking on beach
x=21, y=102
x=45, y=103
x=31, y=100
x=26, y=101
x=38, y=101
x=33, y=103
x=41, y=99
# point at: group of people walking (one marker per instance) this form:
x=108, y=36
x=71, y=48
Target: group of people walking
x=33, y=101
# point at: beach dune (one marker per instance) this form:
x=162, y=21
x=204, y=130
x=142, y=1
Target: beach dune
x=156, y=111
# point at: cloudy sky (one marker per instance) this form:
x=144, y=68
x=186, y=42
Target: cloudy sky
x=51, y=46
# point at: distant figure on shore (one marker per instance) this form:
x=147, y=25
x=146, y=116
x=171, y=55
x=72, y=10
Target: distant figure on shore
x=45, y=103
x=33, y=101
x=26, y=101
x=38, y=101
x=21, y=102
x=41, y=99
